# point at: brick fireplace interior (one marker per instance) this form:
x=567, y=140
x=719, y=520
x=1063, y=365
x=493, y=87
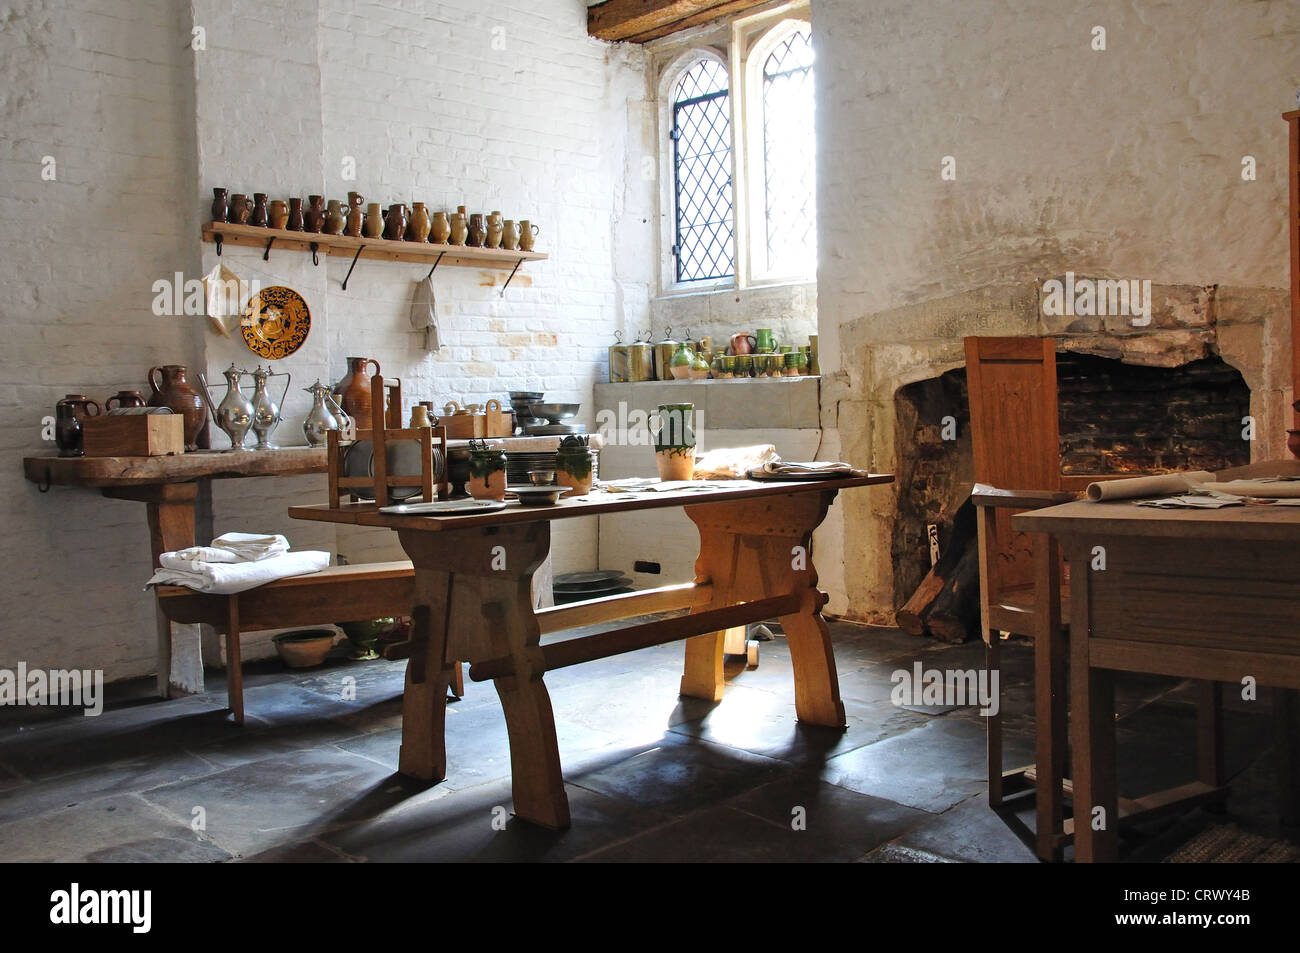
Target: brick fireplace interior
x=1114, y=418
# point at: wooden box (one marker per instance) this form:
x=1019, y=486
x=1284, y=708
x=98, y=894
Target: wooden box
x=133, y=435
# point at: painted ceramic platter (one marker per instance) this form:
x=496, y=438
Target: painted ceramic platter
x=275, y=323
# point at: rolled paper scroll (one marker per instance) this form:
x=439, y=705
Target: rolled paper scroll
x=1167, y=484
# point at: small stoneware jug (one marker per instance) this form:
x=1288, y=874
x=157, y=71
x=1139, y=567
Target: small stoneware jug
x=314, y=216
x=374, y=221
x=68, y=415
x=125, y=398
x=334, y=218
x=260, y=218
x=278, y=214
x=296, y=220
x=477, y=231
x=459, y=229
x=527, y=235
x=220, y=205
x=241, y=208
x=419, y=225
x=439, y=229
x=356, y=215
x=509, y=235
x=395, y=222
x=495, y=230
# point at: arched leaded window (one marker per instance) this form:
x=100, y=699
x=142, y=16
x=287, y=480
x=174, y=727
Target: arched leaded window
x=703, y=243
x=789, y=156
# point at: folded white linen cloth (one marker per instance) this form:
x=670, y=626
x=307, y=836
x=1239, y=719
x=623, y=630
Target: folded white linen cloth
x=224, y=579
x=233, y=548
x=732, y=463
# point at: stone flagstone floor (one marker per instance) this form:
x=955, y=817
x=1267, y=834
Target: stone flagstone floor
x=650, y=776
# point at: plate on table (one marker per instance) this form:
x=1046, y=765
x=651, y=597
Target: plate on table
x=403, y=460
x=275, y=323
x=538, y=495
x=444, y=507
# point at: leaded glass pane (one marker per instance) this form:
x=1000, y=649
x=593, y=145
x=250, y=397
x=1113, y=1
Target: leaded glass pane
x=702, y=169
x=789, y=151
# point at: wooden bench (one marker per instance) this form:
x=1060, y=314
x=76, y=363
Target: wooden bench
x=335, y=594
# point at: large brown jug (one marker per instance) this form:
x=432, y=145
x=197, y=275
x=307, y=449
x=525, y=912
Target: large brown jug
x=353, y=391
x=175, y=392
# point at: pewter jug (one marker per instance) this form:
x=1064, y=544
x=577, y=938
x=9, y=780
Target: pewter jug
x=319, y=419
x=266, y=412
x=234, y=414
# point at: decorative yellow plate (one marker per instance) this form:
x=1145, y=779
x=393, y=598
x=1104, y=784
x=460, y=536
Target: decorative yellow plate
x=275, y=323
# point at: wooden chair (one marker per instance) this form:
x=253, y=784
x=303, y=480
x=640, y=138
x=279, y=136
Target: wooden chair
x=1023, y=580
x=1016, y=442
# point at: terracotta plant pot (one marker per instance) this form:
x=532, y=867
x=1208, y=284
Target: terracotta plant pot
x=304, y=649
x=487, y=474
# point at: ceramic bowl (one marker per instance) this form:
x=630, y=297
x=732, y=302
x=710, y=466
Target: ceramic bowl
x=554, y=412
x=304, y=648
x=541, y=477
x=538, y=495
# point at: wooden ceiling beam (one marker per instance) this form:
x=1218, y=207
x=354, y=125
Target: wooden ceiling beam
x=639, y=21
x=721, y=11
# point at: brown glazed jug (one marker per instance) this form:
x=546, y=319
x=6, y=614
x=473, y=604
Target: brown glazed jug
x=175, y=392
x=353, y=391
x=314, y=215
x=395, y=223
x=220, y=205
x=477, y=231
x=125, y=398
x=68, y=415
x=260, y=218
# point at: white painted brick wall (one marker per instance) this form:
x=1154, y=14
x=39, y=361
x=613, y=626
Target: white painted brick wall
x=143, y=129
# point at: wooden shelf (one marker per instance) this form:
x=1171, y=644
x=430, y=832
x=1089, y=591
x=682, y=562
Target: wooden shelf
x=344, y=246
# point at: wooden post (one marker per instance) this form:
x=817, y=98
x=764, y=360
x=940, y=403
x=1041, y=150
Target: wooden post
x=170, y=512
x=1293, y=228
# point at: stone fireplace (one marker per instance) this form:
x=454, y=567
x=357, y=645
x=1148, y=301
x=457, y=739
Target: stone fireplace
x=1115, y=418
x=1174, y=392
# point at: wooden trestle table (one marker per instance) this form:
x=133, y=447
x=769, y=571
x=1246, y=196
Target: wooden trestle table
x=473, y=580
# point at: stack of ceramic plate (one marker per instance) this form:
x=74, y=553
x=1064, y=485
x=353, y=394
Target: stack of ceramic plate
x=577, y=586
x=520, y=462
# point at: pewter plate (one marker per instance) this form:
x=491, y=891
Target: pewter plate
x=444, y=507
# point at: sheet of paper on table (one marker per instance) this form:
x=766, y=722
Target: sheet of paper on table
x=651, y=485
x=1190, y=502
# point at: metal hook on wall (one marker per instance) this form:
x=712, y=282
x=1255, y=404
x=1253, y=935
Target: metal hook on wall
x=315, y=247
x=220, y=240
x=45, y=487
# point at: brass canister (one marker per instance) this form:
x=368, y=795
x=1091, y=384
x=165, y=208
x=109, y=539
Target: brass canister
x=618, y=369
x=663, y=357
x=640, y=361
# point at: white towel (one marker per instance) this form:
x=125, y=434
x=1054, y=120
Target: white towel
x=424, y=313
x=229, y=548
x=227, y=578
